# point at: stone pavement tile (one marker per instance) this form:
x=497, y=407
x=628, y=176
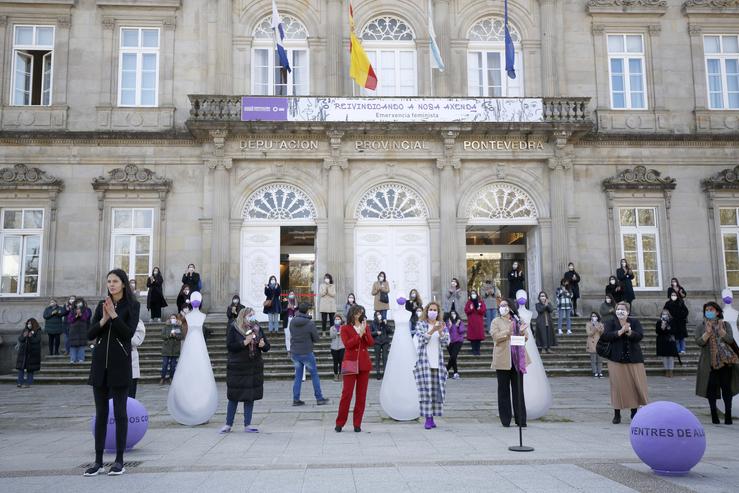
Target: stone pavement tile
x=383, y=487
x=713, y=476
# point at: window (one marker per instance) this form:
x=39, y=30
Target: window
x=268, y=76
x=390, y=46
x=640, y=245
x=626, y=69
x=486, y=75
x=138, y=67
x=730, y=244
x=20, y=240
x=33, y=52
x=722, y=70
x=391, y=201
x=132, y=243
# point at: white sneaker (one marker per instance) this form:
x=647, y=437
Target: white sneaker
x=569, y=332
x=225, y=429
x=94, y=470
x=455, y=376
x=559, y=332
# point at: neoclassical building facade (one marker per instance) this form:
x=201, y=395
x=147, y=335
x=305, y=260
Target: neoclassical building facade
x=122, y=144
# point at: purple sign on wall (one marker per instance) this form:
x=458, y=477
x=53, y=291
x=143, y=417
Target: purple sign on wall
x=264, y=109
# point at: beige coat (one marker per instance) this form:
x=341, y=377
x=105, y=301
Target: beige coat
x=594, y=332
x=377, y=288
x=501, y=332
x=327, y=303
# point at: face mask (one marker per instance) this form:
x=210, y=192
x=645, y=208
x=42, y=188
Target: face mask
x=413, y=296
x=28, y=326
x=613, y=282
x=665, y=318
x=728, y=300
x=594, y=319
x=710, y=315
x=622, y=314
x=432, y=314
x=156, y=272
x=191, y=269
x=71, y=301
x=419, y=314
x=623, y=264
x=454, y=284
x=379, y=319
x=327, y=280
x=291, y=296
x=381, y=278
x=673, y=298
x=272, y=283
x=572, y=269
x=674, y=284
x=473, y=296
x=187, y=293
x=351, y=300
x=521, y=301
x=503, y=310
x=542, y=298
x=453, y=316
x=235, y=301
x=515, y=266
x=173, y=321
x=337, y=322
x=608, y=301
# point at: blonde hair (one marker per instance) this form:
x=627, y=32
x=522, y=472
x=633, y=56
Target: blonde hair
x=241, y=317
x=424, y=317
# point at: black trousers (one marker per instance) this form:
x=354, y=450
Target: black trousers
x=338, y=356
x=454, y=349
x=120, y=397
x=156, y=311
x=132, y=388
x=508, y=383
x=326, y=317
x=381, y=351
x=475, y=347
x=54, y=340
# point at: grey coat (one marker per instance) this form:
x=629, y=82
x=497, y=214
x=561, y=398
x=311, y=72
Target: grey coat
x=458, y=298
x=303, y=334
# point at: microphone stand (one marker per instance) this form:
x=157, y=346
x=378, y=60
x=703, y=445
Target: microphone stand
x=520, y=447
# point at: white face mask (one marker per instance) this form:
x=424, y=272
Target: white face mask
x=612, y=281
x=419, y=314
x=503, y=310
x=327, y=280
x=235, y=301
x=432, y=314
x=413, y=296
x=381, y=278
x=594, y=319
x=673, y=298
x=351, y=300
x=622, y=314
x=454, y=284
x=173, y=321
x=572, y=268
x=473, y=296
x=515, y=266
x=608, y=301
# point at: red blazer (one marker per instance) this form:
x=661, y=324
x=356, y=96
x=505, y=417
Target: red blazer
x=356, y=347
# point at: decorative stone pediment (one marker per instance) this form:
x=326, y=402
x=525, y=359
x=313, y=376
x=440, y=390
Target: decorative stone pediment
x=727, y=179
x=21, y=176
x=711, y=6
x=626, y=6
x=639, y=178
x=131, y=178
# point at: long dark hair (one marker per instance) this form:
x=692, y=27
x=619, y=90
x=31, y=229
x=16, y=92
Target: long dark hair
x=158, y=274
x=355, y=311
x=714, y=305
x=182, y=290
x=34, y=325
x=121, y=274
x=330, y=278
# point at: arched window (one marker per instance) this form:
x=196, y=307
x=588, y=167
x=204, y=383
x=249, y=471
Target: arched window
x=486, y=75
x=390, y=46
x=268, y=76
x=502, y=203
x=391, y=201
x=279, y=202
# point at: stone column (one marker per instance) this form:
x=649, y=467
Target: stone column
x=443, y=28
x=335, y=165
x=559, y=167
x=336, y=50
x=549, y=33
x=447, y=211
x=218, y=280
x=224, y=44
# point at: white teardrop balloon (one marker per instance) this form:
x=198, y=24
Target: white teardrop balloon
x=398, y=393
x=536, y=388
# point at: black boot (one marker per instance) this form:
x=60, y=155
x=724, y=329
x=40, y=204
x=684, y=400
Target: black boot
x=714, y=411
x=727, y=411
x=616, y=416
x=633, y=412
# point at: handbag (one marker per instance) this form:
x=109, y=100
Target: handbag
x=603, y=349
x=350, y=367
x=267, y=304
x=384, y=298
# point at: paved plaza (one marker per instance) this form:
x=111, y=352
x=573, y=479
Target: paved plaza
x=45, y=440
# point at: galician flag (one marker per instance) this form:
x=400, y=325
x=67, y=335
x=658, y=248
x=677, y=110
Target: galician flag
x=436, y=61
x=360, y=68
x=279, y=30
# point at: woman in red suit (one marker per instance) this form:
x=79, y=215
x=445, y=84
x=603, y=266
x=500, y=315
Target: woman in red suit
x=356, y=338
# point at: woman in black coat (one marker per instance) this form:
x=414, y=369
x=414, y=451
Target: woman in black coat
x=515, y=281
x=155, y=298
x=113, y=326
x=615, y=290
x=29, y=353
x=679, y=314
x=272, y=304
x=625, y=276
x=245, y=369
x=234, y=309
x=666, y=344
x=192, y=278
x=574, y=279
x=183, y=299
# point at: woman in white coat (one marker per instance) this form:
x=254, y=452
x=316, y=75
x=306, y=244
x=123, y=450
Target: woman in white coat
x=136, y=341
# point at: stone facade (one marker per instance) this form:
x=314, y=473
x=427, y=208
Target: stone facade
x=85, y=154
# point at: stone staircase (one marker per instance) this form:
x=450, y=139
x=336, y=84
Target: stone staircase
x=567, y=359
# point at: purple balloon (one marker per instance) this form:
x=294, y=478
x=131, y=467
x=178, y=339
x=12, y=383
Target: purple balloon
x=138, y=423
x=668, y=438
x=401, y=301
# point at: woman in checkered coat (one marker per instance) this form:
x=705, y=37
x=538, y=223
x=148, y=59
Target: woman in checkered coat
x=432, y=338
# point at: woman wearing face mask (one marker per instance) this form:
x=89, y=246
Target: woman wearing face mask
x=515, y=280
x=607, y=309
x=457, y=331
x=626, y=372
x=625, y=276
x=453, y=301
x=510, y=364
x=564, y=306
x=337, y=347
x=234, y=309
x=615, y=290
x=292, y=307
x=172, y=334
x=357, y=339
x=183, y=300
x=78, y=321
x=490, y=296
x=28, y=360
x=666, y=344
x=272, y=305
x=155, y=297
x=679, y=314
x=594, y=329
x=54, y=326
x=475, y=311
x=413, y=304
x=573, y=278
x=380, y=290
x=192, y=278
x=430, y=372
x=351, y=300
x=327, y=303
x=113, y=326
x=245, y=368
x=545, y=338
x=718, y=365
x=675, y=287
x=381, y=334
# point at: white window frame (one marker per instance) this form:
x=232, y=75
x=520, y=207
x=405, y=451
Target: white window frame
x=640, y=231
x=508, y=86
x=722, y=58
x=23, y=233
x=132, y=233
x=290, y=47
x=728, y=230
x=374, y=49
x=140, y=51
x=33, y=47
x=624, y=57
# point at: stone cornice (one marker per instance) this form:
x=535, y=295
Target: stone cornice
x=175, y=4
x=21, y=176
x=595, y=7
x=711, y=7
x=639, y=178
x=727, y=179
x=131, y=177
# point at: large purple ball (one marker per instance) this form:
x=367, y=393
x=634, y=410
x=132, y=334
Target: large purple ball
x=668, y=438
x=138, y=423
x=401, y=301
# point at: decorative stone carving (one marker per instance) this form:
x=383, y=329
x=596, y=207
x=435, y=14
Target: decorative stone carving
x=627, y=3
x=727, y=179
x=279, y=201
x=21, y=176
x=132, y=178
x=695, y=29
x=108, y=23
x=717, y=4
x=391, y=201
x=639, y=178
x=64, y=21
x=502, y=201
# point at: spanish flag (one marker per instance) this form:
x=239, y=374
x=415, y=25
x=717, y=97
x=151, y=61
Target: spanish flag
x=360, y=69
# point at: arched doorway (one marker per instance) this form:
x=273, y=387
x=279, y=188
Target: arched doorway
x=277, y=238
x=391, y=235
x=502, y=229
